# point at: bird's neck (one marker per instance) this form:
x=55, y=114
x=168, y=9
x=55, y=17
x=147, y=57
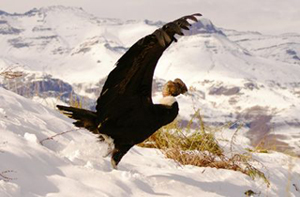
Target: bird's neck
x=168, y=100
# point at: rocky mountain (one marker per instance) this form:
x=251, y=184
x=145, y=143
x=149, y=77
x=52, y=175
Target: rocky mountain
x=246, y=78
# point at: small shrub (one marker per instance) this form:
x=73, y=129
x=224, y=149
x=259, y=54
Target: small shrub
x=195, y=144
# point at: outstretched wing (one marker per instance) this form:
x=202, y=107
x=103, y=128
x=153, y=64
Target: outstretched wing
x=133, y=74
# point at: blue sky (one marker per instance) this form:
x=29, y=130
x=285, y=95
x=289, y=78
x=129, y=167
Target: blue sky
x=267, y=16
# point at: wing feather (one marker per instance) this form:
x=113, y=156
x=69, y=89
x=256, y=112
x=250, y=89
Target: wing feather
x=132, y=77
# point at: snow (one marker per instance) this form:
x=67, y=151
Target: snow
x=71, y=164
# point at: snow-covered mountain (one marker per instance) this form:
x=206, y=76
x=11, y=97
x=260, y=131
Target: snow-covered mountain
x=243, y=77
x=37, y=160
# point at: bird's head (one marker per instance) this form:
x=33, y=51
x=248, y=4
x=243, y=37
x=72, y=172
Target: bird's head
x=174, y=88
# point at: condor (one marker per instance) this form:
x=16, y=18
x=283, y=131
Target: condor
x=125, y=114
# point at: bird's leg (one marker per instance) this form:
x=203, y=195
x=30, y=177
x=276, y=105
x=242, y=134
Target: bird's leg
x=118, y=153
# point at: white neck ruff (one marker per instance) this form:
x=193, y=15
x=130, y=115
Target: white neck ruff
x=167, y=100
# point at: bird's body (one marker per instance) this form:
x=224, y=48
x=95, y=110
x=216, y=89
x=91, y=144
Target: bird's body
x=125, y=111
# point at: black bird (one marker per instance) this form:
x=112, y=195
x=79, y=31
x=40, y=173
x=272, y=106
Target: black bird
x=125, y=113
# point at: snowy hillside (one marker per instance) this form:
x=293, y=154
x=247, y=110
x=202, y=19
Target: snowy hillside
x=81, y=51
x=71, y=164
x=246, y=78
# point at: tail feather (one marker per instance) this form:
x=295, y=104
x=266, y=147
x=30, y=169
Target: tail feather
x=84, y=118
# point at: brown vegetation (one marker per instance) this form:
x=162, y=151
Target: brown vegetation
x=197, y=146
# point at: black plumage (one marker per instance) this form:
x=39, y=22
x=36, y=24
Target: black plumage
x=125, y=111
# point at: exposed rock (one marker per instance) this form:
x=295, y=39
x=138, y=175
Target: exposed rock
x=18, y=43
x=224, y=91
x=204, y=25
x=250, y=86
x=7, y=29
x=45, y=86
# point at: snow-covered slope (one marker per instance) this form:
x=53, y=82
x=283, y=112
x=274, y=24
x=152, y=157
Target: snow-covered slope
x=67, y=42
x=71, y=164
x=242, y=77
x=284, y=48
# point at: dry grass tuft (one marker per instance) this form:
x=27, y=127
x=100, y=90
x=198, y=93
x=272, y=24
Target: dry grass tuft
x=74, y=101
x=9, y=73
x=195, y=145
